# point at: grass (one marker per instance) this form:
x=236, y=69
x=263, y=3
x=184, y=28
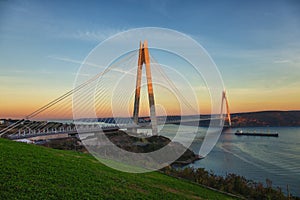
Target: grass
x=34, y=172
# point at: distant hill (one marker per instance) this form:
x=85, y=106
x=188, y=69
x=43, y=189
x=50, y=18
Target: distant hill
x=33, y=172
x=266, y=118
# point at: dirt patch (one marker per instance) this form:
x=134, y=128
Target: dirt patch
x=137, y=188
x=178, y=192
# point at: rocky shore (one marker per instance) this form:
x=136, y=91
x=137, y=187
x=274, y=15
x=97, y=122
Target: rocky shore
x=131, y=144
x=150, y=144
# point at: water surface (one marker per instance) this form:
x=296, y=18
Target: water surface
x=257, y=158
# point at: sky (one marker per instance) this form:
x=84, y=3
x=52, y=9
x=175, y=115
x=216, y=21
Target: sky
x=255, y=45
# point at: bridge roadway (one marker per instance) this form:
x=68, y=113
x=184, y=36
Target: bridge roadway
x=65, y=132
x=85, y=128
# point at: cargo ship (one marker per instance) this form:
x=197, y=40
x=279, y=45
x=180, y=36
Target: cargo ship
x=266, y=134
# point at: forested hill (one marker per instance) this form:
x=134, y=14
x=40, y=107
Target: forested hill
x=266, y=118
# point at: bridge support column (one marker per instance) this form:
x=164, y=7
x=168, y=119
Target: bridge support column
x=144, y=58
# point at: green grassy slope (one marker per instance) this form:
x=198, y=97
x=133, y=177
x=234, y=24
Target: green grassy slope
x=33, y=172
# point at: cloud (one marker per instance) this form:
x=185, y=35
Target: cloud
x=93, y=35
x=9, y=71
x=70, y=60
x=283, y=61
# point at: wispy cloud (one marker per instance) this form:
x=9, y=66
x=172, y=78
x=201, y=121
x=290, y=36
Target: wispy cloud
x=70, y=60
x=20, y=72
x=93, y=35
x=282, y=61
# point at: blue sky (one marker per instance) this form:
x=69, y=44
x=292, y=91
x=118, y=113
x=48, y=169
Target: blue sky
x=255, y=44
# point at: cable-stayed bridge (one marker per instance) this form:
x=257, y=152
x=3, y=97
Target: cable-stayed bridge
x=31, y=127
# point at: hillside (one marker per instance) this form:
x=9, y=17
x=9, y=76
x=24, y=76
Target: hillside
x=33, y=172
x=266, y=118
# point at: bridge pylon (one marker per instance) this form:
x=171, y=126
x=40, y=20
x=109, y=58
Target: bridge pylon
x=224, y=98
x=144, y=58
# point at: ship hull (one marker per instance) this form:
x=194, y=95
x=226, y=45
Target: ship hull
x=258, y=134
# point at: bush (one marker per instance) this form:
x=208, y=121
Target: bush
x=231, y=183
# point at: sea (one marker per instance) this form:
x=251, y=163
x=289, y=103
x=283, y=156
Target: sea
x=256, y=158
